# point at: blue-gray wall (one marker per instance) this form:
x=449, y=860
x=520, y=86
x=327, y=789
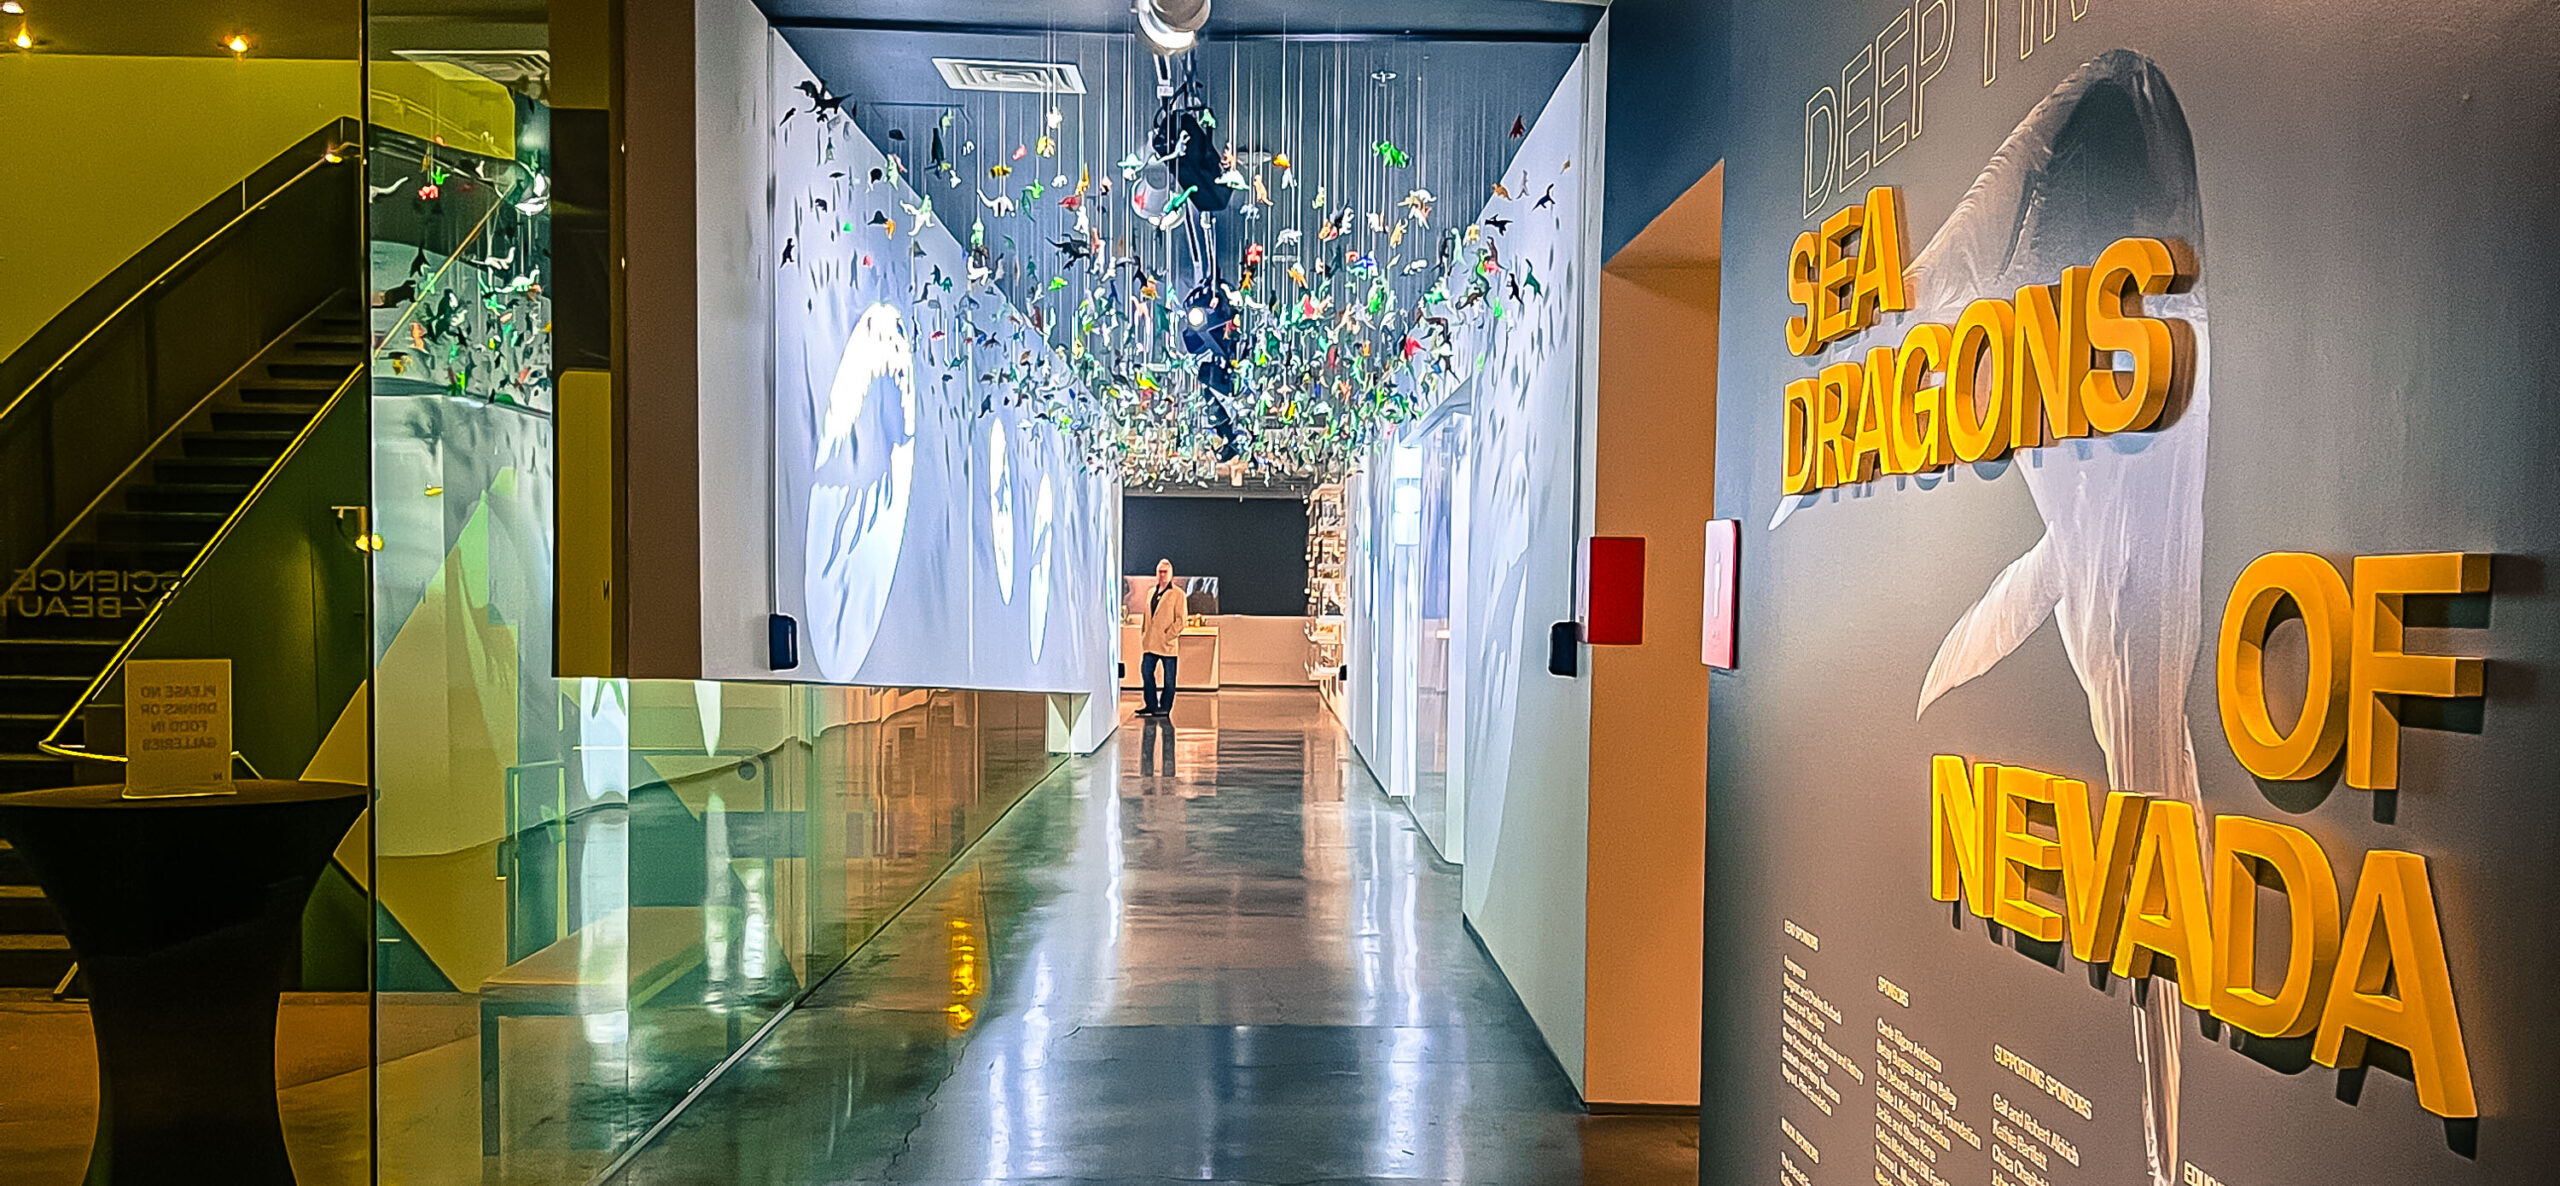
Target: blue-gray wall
x=2367, y=185
x=1669, y=79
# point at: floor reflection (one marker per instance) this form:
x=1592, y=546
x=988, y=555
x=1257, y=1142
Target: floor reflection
x=650, y=935
x=1214, y=951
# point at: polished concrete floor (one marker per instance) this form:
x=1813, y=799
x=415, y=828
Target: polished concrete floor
x=1212, y=952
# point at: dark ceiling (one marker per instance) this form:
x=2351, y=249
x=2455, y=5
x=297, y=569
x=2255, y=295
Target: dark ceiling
x=1448, y=105
x=1564, y=20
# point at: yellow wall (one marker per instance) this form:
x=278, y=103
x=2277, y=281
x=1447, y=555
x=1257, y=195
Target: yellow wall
x=1647, y=923
x=104, y=154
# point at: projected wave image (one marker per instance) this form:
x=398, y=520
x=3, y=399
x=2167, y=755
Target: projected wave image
x=1044, y=546
x=862, y=484
x=1000, y=509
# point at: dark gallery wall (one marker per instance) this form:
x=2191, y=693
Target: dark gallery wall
x=1256, y=547
x=1670, y=75
x=2365, y=188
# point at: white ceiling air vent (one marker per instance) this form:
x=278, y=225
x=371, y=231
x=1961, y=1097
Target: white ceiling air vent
x=1037, y=78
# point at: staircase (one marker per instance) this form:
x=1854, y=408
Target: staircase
x=157, y=521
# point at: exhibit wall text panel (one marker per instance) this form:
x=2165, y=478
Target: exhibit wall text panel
x=2134, y=771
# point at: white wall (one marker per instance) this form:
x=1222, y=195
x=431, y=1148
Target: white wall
x=1521, y=754
x=924, y=527
x=734, y=51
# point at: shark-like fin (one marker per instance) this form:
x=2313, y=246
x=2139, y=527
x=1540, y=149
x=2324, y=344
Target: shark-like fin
x=2018, y=601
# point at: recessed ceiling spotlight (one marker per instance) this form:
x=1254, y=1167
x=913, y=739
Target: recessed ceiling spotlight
x=12, y=7
x=236, y=44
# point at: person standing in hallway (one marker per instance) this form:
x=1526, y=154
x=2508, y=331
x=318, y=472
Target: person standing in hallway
x=1168, y=610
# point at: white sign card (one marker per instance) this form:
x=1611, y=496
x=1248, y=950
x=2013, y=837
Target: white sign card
x=177, y=727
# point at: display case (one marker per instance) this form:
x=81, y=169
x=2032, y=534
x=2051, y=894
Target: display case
x=1327, y=543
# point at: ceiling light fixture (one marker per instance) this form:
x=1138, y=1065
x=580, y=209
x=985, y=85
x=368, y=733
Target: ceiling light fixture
x=12, y=7
x=23, y=40
x=236, y=44
x=1034, y=78
x=1171, y=26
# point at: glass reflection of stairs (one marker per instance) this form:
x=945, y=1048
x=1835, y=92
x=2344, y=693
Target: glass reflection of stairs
x=66, y=617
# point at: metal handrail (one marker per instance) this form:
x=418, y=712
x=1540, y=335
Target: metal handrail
x=335, y=154
x=71, y=526
x=124, y=651
x=51, y=744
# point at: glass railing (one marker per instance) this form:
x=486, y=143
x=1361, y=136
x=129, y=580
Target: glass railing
x=107, y=387
x=306, y=446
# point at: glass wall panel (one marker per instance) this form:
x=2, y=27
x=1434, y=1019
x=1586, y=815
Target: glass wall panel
x=591, y=892
x=180, y=201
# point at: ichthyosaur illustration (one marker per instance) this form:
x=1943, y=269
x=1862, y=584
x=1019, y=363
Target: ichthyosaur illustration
x=2106, y=155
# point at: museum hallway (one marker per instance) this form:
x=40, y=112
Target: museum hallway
x=1213, y=951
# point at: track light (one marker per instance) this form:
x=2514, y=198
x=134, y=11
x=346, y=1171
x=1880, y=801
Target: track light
x=1171, y=26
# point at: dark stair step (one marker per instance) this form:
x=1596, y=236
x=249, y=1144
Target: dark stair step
x=284, y=420
x=211, y=471
x=13, y=868
x=55, y=656
x=33, y=961
x=34, y=772
x=280, y=396
x=344, y=353
x=49, y=694
x=265, y=446
x=215, y=498
x=20, y=731
x=334, y=372
x=131, y=555
x=24, y=911
x=178, y=527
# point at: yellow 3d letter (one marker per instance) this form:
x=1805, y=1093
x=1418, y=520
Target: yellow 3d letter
x=1797, y=475
x=2320, y=594
x=2016, y=852
x=2165, y=910
x=2379, y=673
x=1835, y=406
x=2242, y=847
x=1870, y=430
x=2392, y=938
x=1804, y=272
x=2051, y=357
x=1978, y=378
x=2095, y=867
x=1880, y=284
x=2119, y=401
x=1919, y=437
x=1959, y=838
x=1835, y=308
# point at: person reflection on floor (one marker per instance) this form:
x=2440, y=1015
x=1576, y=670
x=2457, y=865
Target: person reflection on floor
x=1159, y=733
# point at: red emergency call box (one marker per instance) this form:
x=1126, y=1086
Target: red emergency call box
x=1616, y=567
